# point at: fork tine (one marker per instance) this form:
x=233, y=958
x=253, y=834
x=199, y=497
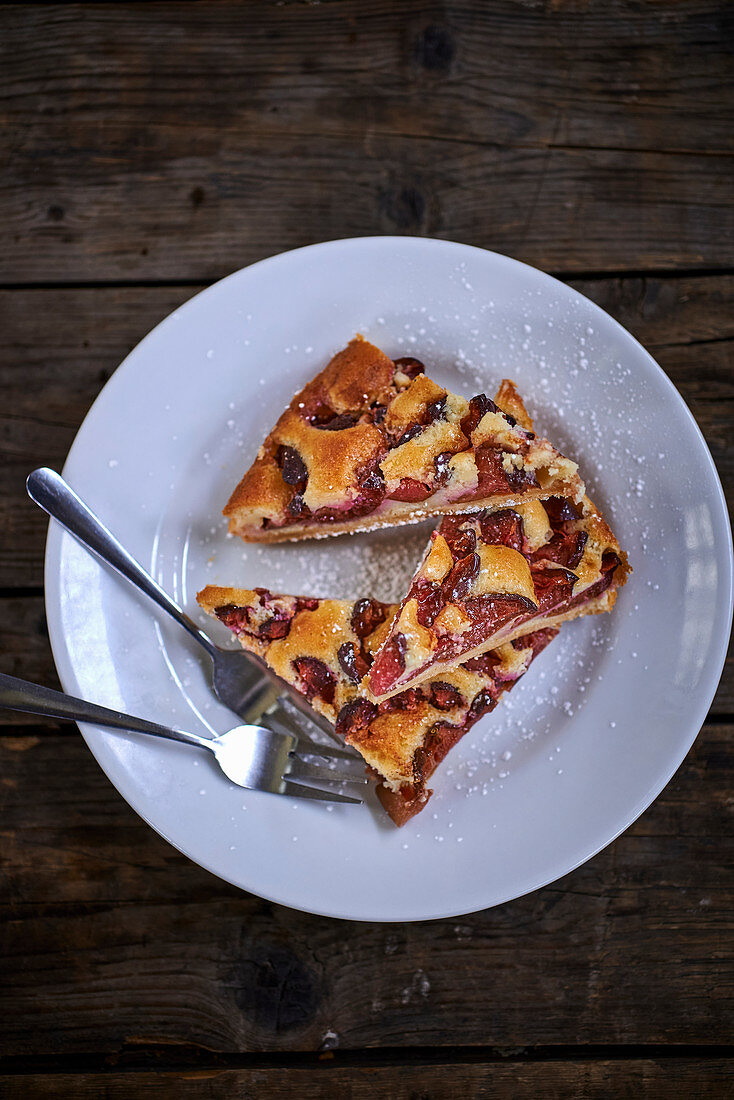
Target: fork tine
x=279, y=716
x=313, y=748
x=299, y=791
x=304, y=707
x=302, y=769
x=281, y=722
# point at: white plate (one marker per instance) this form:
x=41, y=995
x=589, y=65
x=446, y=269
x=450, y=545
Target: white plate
x=601, y=722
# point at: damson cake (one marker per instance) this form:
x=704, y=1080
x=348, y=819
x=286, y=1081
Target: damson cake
x=325, y=647
x=370, y=442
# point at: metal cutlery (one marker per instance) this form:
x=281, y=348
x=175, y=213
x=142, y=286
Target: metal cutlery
x=251, y=756
x=240, y=680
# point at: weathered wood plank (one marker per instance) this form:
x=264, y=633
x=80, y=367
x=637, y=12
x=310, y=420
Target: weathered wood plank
x=25, y=652
x=111, y=939
x=608, y=74
x=577, y=138
x=644, y=1078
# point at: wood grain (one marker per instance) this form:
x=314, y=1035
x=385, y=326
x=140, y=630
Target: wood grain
x=645, y=1078
x=113, y=940
x=172, y=140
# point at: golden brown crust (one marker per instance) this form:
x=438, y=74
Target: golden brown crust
x=214, y=596
x=353, y=379
x=335, y=459
x=262, y=493
x=316, y=631
x=510, y=401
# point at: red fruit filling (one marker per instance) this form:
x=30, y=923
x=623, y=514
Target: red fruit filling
x=486, y=663
x=537, y=641
x=411, y=491
x=560, y=511
x=366, y=616
x=461, y=540
x=429, y=599
x=494, y=478
x=459, y=580
x=566, y=549
x=408, y=434
x=292, y=467
x=318, y=412
x=389, y=665
x=298, y=508
x=410, y=366
x=408, y=700
x=352, y=662
x=482, y=703
x=502, y=528
x=445, y=696
x=478, y=406
x=443, y=471
x=355, y=716
x=553, y=586
x=317, y=677
x=436, y=410
x=274, y=628
x=609, y=563
x=490, y=613
x=338, y=423
x=303, y=603
x=236, y=618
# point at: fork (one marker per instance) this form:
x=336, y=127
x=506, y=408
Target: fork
x=251, y=756
x=240, y=680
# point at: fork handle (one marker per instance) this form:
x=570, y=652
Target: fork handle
x=49, y=490
x=31, y=698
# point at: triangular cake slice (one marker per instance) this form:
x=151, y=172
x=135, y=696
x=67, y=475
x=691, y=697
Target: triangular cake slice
x=370, y=442
x=325, y=647
x=488, y=577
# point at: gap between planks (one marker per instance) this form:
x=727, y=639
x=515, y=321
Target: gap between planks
x=203, y=282
x=141, y=1058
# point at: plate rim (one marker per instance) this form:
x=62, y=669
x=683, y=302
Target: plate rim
x=66, y=673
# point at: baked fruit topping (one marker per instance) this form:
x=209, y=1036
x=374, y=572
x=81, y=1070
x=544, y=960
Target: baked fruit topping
x=488, y=577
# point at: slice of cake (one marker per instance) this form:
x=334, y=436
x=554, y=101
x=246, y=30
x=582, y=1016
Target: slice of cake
x=489, y=577
x=370, y=442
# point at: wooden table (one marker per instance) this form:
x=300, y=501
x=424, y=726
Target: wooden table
x=154, y=147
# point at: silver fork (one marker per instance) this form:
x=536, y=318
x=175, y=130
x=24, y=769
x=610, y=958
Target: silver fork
x=250, y=756
x=241, y=680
